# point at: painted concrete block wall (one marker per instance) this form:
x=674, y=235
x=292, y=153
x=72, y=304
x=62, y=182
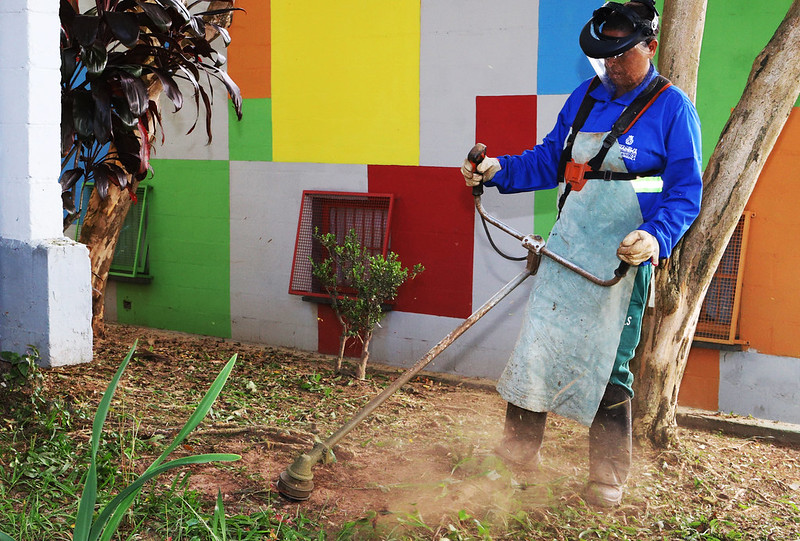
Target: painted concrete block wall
x=45, y=293
x=770, y=312
x=770, y=292
x=189, y=228
x=185, y=136
x=761, y=380
x=264, y=206
x=392, y=105
x=461, y=58
x=353, y=99
x=262, y=250
x=735, y=32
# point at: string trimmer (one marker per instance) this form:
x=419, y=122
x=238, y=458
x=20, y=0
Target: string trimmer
x=296, y=482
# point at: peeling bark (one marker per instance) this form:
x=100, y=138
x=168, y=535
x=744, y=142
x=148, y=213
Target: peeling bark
x=100, y=232
x=682, y=32
x=221, y=19
x=729, y=179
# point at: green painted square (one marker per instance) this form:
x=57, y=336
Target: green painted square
x=250, y=139
x=736, y=31
x=189, y=258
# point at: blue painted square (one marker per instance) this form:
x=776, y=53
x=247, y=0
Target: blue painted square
x=561, y=64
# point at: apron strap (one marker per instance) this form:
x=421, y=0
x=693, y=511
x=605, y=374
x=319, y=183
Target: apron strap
x=583, y=113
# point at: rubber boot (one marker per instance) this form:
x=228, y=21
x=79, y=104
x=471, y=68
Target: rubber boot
x=610, y=448
x=522, y=436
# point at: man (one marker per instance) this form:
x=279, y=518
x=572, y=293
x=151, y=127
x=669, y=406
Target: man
x=625, y=152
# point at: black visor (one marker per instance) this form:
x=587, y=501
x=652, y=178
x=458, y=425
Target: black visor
x=613, y=15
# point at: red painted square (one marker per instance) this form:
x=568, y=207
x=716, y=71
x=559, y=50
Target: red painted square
x=432, y=224
x=329, y=333
x=505, y=124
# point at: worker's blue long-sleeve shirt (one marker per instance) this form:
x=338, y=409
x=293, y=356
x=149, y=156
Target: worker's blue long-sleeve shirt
x=665, y=139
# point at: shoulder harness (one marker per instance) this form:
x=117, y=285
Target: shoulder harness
x=576, y=174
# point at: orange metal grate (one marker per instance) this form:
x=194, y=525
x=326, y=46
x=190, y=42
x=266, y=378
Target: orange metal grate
x=719, y=315
x=337, y=212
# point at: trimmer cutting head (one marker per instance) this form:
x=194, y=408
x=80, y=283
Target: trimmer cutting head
x=294, y=489
x=296, y=482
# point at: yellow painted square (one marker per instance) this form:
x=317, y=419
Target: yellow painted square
x=345, y=81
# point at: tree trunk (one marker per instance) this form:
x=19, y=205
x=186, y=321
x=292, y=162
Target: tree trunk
x=342, y=346
x=730, y=176
x=361, y=372
x=104, y=217
x=100, y=232
x=680, y=42
x=220, y=19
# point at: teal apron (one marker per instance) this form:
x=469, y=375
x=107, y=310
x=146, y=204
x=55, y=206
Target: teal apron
x=566, y=349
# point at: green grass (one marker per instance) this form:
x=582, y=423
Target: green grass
x=46, y=452
x=42, y=462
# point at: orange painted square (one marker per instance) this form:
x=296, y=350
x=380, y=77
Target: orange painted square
x=249, y=55
x=770, y=306
x=700, y=383
x=785, y=340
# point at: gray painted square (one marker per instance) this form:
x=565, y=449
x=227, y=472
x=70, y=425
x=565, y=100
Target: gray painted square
x=764, y=386
x=470, y=48
x=265, y=206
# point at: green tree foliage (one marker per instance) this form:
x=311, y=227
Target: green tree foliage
x=358, y=284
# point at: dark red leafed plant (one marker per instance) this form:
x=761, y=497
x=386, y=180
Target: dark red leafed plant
x=115, y=58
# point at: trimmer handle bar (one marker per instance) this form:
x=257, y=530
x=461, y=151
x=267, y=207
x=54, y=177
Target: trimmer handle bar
x=535, y=244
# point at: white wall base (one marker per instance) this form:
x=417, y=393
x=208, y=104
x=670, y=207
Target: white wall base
x=764, y=386
x=45, y=299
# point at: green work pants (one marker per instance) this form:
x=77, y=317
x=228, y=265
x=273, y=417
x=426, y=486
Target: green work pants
x=632, y=331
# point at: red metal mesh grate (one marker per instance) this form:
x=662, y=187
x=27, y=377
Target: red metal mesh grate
x=337, y=213
x=719, y=314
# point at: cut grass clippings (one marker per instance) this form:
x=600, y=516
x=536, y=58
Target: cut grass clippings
x=420, y=467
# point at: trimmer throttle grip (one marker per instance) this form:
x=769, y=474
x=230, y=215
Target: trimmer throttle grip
x=622, y=270
x=476, y=156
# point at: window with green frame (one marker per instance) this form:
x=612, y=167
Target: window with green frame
x=130, y=257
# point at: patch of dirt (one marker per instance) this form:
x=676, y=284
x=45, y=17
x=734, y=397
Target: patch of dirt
x=425, y=454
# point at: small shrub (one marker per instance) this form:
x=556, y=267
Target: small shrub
x=358, y=284
x=23, y=398
x=21, y=371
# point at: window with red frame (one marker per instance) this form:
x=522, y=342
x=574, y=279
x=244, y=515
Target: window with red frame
x=337, y=212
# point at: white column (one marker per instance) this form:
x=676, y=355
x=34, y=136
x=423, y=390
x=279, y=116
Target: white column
x=45, y=291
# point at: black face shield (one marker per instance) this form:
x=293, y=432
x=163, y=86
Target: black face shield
x=616, y=16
